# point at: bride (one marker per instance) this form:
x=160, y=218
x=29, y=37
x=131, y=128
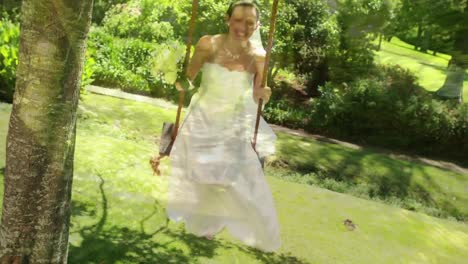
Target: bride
x=216, y=179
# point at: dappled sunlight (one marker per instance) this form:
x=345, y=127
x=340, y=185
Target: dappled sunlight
x=436, y=234
x=133, y=97
x=358, y=155
x=430, y=69
x=128, y=233
x=379, y=227
x=389, y=175
x=118, y=206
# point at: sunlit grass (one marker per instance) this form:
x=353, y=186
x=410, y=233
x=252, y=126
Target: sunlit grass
x=430, y=69
x=118, y=206
x=376, y=173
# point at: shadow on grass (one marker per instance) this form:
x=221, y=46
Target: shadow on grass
x=442, y=69
x=414, y=50
x=104, y=243
x=383, y=176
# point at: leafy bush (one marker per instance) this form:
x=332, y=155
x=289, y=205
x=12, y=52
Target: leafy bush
x=9, y=43
x=283, y=113
x=386, y=109
x=88, y=72
x=138, y=19
x=10, y=10
x=390, y=110
x=359, y=22
x=131, y=64
x=101, y=7
x=306, y=33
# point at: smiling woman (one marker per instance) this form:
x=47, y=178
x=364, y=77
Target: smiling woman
x=216, y=179
x=242, y=18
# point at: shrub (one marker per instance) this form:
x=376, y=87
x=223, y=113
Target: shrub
x=138, y=19
x=390, y=110
x=386, y=109
x=130, y=64
x=9, y=44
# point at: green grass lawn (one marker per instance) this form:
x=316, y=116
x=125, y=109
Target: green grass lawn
x=118, y=206
x=373, y=173
x=431, y=70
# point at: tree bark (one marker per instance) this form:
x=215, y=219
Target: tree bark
x=418, y=38
x=380, y=42
x=453, y=85
x=319, y=77
x=41, y=136
x=426, y=40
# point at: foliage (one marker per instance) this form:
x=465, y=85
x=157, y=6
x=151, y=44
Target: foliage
x=134, y=65
x=390, y=110
x=138, y=19
x=333, y=42
x=9, y=43
x=359, y=22
x=303, y=42
x=282, y=112
x=88, y=72
x=431, y=24
x=100, y=7
x=10, y=10
x=386, y=109
x=140, y=46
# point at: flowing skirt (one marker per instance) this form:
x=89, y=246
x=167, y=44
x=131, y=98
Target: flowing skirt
x=216, y=178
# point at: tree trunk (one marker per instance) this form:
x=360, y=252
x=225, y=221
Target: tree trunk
x=380, y=42
x=418, y=38
x=319, y=77
x=453, y=86
x=426, y=40
x=41, y=136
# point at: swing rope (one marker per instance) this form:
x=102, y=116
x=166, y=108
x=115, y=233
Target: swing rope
x=165, y=142
x=186, y=63
x=274, y=12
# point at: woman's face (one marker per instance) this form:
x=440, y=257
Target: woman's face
x=243, y=22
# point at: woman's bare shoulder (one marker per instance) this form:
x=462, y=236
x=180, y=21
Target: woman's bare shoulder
x=207, y=42
x=259, y=54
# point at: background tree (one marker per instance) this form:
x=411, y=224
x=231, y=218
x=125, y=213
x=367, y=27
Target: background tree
x=456, y=19
x=41, y=136
x=419, y=24
x=359, y=22
x=309, y=41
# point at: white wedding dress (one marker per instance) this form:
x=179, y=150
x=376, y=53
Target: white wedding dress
x=216, y=178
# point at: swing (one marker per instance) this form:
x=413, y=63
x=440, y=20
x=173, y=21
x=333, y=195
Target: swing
x=169, y=130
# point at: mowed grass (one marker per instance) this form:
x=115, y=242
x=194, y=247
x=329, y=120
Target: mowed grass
x=118, y=205
x=430, y=69
x=369, y=173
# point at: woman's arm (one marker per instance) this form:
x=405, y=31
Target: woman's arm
x=258, y=91
x=259, y=60
x=203, y=52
